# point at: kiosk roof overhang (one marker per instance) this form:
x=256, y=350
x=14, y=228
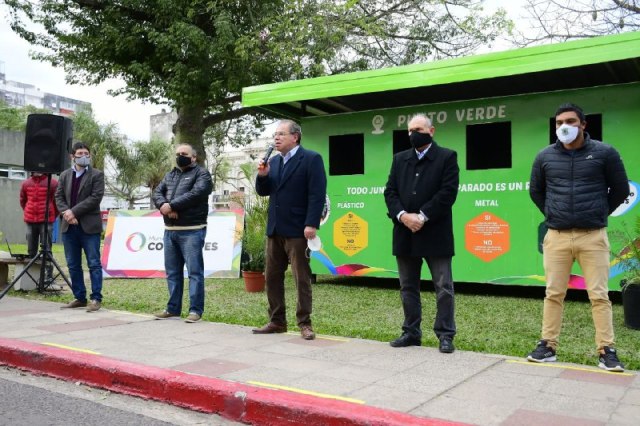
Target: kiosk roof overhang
x=571, y=65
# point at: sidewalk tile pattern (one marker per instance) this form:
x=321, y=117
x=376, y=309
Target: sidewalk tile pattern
x=425, y=385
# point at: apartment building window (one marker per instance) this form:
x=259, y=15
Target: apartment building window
x=14, y=173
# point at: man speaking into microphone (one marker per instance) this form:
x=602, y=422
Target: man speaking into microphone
x=296, y=182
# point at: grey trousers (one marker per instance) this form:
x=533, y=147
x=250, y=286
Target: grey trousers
x=409, y=269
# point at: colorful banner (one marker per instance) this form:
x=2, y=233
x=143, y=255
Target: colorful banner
x=134, y=246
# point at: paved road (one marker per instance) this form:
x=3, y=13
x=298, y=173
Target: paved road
x=33, y=401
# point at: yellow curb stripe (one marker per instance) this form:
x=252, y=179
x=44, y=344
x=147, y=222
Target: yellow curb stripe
x=566, y=367
x=86, y=351
x=336, y=339
x=306, y=392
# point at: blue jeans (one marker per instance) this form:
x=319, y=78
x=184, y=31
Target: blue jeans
x=75, y=240
x=184, y=248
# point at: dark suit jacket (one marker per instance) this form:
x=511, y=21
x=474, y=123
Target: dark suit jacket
x=296, y=198
x=431, y=186
x=90, y=193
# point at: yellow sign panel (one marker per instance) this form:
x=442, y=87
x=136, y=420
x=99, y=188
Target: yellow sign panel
x=350, y=234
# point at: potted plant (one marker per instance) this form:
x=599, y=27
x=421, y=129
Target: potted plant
x=629, y=260
x=256, y=211
x=253, y=243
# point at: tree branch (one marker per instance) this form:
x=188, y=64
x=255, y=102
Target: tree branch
x=219, y=117
x=627, y=6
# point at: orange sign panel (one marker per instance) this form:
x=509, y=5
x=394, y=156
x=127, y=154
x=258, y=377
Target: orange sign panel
x=350, y=234
x=487, y=236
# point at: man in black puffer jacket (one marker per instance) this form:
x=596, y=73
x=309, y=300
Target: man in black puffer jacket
x=182, y=199
x=577, y=183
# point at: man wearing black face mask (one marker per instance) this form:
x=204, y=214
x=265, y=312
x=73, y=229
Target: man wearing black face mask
x=182, y=198
x=422, y=187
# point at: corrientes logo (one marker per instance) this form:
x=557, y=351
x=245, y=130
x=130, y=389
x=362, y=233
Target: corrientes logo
x=136, y=241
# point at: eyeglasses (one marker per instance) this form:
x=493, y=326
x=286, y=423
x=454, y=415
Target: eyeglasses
x=276, y=134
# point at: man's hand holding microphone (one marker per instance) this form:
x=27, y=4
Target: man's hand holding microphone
x=263, y=165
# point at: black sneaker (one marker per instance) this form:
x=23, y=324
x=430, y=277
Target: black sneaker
x=542, y=353
x=609, y=360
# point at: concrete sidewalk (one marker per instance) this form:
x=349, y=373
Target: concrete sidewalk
x=278, y=379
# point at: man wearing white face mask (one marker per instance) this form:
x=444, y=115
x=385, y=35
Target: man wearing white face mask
x=577, y=183
x=78, y=198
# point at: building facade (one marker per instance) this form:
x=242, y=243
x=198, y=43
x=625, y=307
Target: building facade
x=19, y=94
x=12, y=173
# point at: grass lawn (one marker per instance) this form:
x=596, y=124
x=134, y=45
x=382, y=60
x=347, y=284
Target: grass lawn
x=490, y=319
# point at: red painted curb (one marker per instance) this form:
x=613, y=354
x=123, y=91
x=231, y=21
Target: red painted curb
x=235, y=401
x=232, y=400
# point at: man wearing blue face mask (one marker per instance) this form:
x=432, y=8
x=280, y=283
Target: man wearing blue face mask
x=420, y=192
x=78, y=196
x=577, y=183
x=182, y=199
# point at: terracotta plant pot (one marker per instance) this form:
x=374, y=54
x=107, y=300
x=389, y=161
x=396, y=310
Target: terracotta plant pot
x=253, y=281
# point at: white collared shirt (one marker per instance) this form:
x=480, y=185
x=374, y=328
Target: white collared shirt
x=78, y=172
x=289, y=154
x=422, y=154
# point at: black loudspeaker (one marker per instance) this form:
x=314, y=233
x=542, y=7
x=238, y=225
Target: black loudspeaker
x=47, y=143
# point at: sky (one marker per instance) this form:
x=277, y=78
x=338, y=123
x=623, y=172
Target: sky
x=132, y=118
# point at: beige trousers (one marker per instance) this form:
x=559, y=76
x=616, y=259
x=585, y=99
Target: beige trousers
x=590, y=247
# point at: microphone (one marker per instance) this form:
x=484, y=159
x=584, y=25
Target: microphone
x=267, y=155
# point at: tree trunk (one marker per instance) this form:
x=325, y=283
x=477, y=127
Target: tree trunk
x=189, y=129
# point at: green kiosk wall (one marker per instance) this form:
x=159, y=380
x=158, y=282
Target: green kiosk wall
x=496, y=111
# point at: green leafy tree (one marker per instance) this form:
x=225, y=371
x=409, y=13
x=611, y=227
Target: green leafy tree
x=101, y=138
x=139, y=169
x=562, y=20
x=15, y=118
x=11, y=118
x=220, y=167
x=126, y=183
x=156, y=158
x=197, y=55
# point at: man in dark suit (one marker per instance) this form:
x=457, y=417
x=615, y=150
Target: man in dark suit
x=78, y=198
x=422, y=187
x=296, y=182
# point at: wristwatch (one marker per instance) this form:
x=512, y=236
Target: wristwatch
x=422, y=217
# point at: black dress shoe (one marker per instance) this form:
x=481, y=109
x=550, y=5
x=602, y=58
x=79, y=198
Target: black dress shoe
x=405, y=340
x=446, y=345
